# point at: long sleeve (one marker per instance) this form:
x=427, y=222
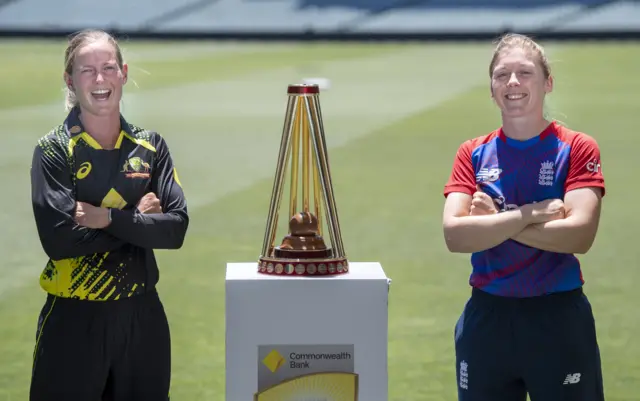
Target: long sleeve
x=165, y=230
x=54, y=206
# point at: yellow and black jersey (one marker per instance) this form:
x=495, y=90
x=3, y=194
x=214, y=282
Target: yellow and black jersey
x=118, y=261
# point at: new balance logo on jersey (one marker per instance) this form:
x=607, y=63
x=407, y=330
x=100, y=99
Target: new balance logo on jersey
x=488, y=174
x=546, y=173
x=572, y=378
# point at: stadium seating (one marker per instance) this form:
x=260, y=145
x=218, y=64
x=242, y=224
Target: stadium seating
x=322, y=15
x=373, y=5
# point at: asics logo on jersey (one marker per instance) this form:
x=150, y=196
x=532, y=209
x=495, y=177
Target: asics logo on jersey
x=83, y=171
x=488, y=174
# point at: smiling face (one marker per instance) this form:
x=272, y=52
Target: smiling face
x=520, y=80
x=96, y=74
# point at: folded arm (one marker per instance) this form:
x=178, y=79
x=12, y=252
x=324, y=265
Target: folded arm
x=584, y=189
x=573, y=234
x=467, y=234
x=164, y=230
x=54, y=205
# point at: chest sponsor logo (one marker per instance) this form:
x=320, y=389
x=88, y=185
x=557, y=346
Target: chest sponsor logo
x=135, y=167
x=547, y=171
x=594, y=166
x=488, y=174
x=503, y=205
x=83, y=171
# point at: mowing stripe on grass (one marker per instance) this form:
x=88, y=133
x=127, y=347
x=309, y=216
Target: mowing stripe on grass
x=224, y=135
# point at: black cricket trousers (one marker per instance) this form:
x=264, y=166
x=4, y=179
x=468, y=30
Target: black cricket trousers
x=102, y=350
x=545, y=346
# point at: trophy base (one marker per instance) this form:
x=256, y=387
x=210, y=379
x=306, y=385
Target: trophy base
x=302, y=254
x=303, y=267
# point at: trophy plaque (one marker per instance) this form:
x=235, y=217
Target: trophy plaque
x=305, y=250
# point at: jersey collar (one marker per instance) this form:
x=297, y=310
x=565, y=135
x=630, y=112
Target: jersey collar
x=551, y=129
x=75, y=129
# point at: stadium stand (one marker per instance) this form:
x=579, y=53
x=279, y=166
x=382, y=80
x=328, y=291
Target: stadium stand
x=328, y=16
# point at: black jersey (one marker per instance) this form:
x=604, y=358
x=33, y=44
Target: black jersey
x=117, y=261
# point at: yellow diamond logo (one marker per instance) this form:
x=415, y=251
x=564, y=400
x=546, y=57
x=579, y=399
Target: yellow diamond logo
x=273, y=361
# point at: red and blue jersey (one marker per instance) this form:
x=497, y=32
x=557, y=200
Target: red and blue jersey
x=515, y=173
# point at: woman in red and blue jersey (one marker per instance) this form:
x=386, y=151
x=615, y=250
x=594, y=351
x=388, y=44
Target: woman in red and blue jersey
x=523, y=201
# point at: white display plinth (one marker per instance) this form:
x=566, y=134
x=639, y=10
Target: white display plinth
x=314, y=324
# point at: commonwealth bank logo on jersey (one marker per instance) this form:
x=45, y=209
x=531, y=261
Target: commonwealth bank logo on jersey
x=306, y=373
x=547, y=171
x=135, y=167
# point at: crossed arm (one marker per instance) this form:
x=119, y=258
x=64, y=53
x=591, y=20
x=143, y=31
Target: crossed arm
x=69, y=229
x=466, y=231
x=573, y=234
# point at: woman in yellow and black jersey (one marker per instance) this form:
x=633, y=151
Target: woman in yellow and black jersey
x=105, y=194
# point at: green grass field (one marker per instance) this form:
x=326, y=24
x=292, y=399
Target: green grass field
x=394, y=117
